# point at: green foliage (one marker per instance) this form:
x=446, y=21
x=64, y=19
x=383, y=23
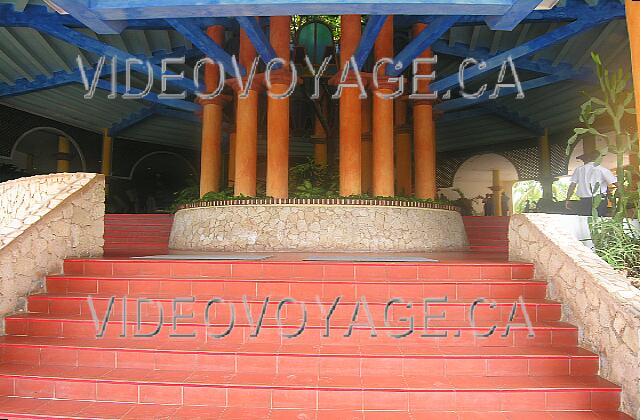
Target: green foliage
x=526, y=190
x=618, y=244
x=311, y=180
x=308, y=190
x=186, y=196
x=216, y=196
x=615, y=101
x=614, y=240
x=460, y=193
x=306, y=180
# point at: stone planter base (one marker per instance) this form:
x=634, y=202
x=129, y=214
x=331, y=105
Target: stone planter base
x=321, y=227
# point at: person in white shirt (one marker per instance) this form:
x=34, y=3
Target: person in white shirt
x=589, y=181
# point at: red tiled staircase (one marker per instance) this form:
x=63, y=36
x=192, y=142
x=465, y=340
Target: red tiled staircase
x=487, y=233
x=53, y=366
x=136, y=234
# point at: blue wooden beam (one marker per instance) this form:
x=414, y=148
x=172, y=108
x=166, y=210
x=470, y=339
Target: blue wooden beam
x=573, y=10
x=62, y=78
x=13, y=17
x=80, y=10
x=539, y=66
x=460, y=103
x=131, y=120
x=24, y=18
x=536, y=44
x=97, y=47
x=129, y=9
x=263, y=47
x=369, y=36
x=516, y=14
x=200, y=39
x=428, y=36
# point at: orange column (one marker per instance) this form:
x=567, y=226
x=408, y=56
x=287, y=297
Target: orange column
x=350, y=124
x=278, y=113
x=633, y=27
x=64, y=154
x=211, y=152
x=319, y=143
x=246, y=128
x=383, y=119
x=403, y=158
x=366, y=152
x=424, y=135
x=497, y=192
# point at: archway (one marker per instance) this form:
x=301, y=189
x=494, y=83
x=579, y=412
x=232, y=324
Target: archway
x=156, y=178
x=474, y=179
x=35, y=151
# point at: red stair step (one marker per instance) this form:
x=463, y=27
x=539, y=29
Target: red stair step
x=499, y=310
x=293, y=358
x=70, y=326
x=390, y=392
x=40, y=409
x=304, y=270
x=52, y=354
x=301, y=289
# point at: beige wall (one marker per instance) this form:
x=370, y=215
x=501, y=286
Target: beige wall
x=43, y=220
x=596, y=298
x=317, y=228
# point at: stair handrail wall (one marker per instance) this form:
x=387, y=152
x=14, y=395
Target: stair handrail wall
x=600, y=301
x=43, y=220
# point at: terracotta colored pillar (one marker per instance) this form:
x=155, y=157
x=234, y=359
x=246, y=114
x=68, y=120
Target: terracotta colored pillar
x=211, y=151
x=107, y=157
x=64, y=154
x=632, y=10
x=319, y=139
x=367, y=158
x=382, y=152
x=403, y=158
x=246, y=128
x=350, y=109
x=278, y=113
x=497, y=192
x=424, y=145
x=107, y=149
x=424, y=135
x=545, y=167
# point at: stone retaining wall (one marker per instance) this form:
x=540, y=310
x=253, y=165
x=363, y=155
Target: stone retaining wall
x=317, y=228
x=43, y=220
x=596, y=298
